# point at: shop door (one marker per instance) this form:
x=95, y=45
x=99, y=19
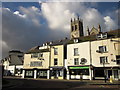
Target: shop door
x=109, y=73
x=116, y=74
x=56, y=74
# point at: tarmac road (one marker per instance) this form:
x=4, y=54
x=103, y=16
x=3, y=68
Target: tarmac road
x=43, y=84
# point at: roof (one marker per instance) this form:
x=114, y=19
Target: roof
x=111, y=34
x=36, y=50
x=60, y=42
x=15, y=51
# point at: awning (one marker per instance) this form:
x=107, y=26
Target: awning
x=57, y=67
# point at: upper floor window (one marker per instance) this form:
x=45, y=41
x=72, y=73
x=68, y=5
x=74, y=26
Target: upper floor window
x=55, y=61
x=102, y=49
x=118, y=59
x=55, y=51
x=76, y=61
x=76, y=52
x=41, y=55
x=103, y=60
x=34, y=55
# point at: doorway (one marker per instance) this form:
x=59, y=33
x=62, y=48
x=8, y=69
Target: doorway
x=109, y=73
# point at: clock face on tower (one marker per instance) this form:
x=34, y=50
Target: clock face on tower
x=75, y=34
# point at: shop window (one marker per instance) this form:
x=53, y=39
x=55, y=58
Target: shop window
x=55, y=51
x=29, y=73
x=103, y=60
x=99, y=73
x=55, y=61
x=118, y=59
x=79, y=71
x=102, y=49
x=76, y=61
x=76, y=52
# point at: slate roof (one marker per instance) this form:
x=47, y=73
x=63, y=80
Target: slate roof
x=36, y=50
x=111, y=34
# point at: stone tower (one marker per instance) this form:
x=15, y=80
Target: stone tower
x=76, y=28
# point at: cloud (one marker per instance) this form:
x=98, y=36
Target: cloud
x=31, y=26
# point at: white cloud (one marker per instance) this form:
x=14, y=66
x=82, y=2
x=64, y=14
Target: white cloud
x=50, y=23
x=18, y=13
x=110, y=24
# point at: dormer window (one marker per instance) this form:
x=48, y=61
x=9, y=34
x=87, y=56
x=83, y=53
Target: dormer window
x=76, y=40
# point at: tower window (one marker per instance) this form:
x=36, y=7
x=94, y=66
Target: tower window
x=72, y=27
x=76, y=52
x=75, y=27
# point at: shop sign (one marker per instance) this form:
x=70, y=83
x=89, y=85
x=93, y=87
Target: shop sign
x=85, y=67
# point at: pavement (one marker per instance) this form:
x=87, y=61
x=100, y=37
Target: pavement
x=90, y=83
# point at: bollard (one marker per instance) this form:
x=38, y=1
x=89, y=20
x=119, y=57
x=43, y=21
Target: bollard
x=111, y=79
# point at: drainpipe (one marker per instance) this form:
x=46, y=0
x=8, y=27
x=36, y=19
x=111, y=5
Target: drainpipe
x=90, y=70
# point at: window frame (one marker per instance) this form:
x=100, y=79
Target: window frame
x=55, y=51
x=102, y=49
x=76, y=61
x=105, y=61
x=55, y=62
x=76, y=53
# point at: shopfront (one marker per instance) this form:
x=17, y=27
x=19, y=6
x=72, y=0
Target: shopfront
x=57, y=72
x=79, y=72
x=100, y=73
x=41, y=73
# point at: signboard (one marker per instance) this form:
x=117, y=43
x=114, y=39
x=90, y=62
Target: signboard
x=82, y=67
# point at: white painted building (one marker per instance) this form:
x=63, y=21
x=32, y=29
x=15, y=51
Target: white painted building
x=78, y=61
x=92, y=57
x=13, y=64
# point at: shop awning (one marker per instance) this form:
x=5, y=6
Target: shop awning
x=81, y=67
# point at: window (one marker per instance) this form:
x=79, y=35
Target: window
x=35, y=64
x=118, y=59
x=72, y=28
x=29, y=73
x=75, y=27
x=76, y=61
x=41, y=55
x=55, y=51
x=79, y=71
x=55, y=61
x=34, y=55
x=102, y=49
x=103, y=60
x=76, y=52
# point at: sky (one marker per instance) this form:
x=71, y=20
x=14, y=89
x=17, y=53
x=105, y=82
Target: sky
x=29, y=24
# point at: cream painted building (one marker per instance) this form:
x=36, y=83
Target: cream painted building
x=57, y=61
x=36, y=62
x=106, y=58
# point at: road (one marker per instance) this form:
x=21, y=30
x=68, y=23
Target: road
x=43, y=84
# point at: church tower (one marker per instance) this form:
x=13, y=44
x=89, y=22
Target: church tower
x=76, y=28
